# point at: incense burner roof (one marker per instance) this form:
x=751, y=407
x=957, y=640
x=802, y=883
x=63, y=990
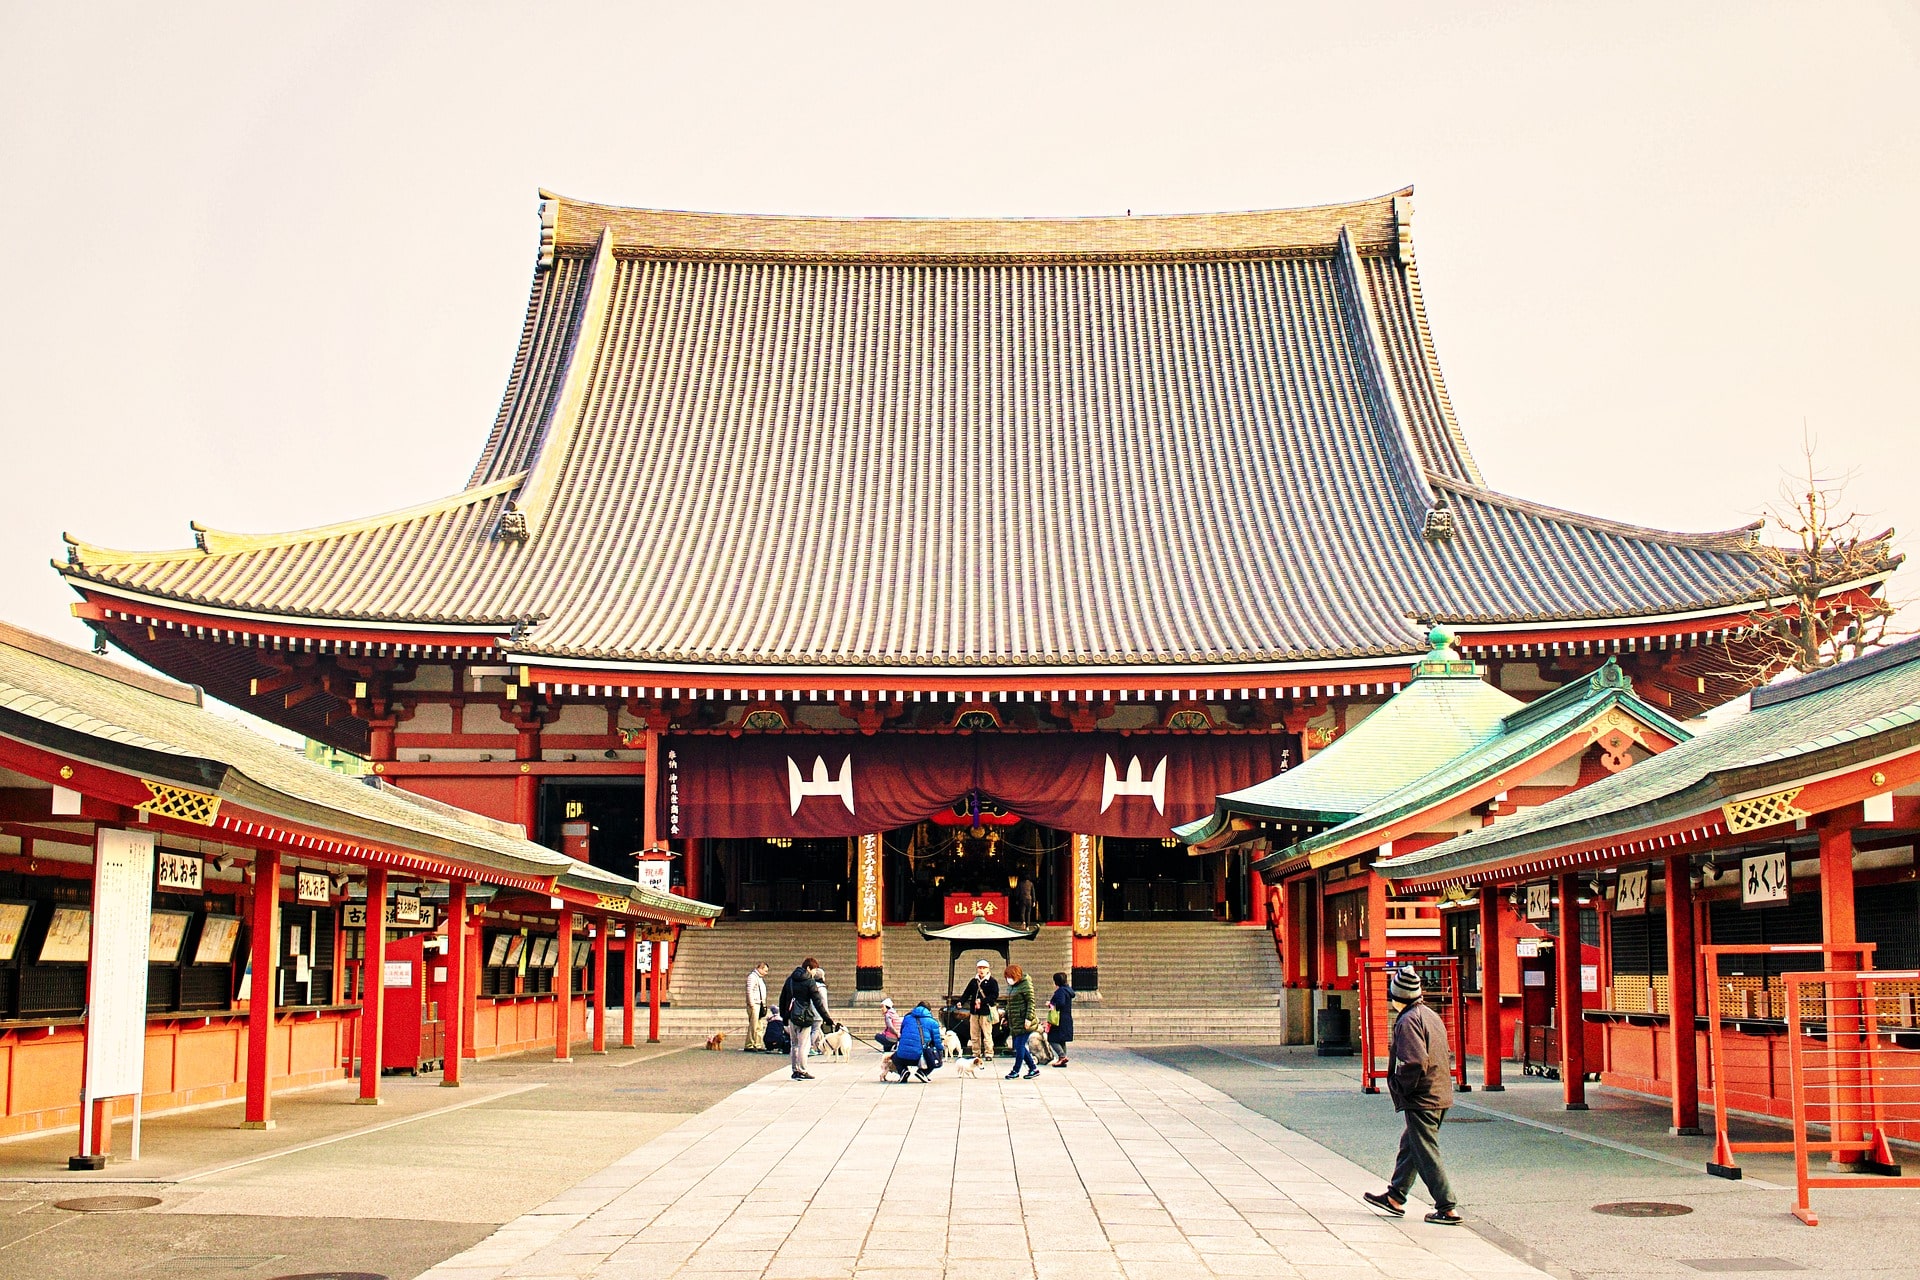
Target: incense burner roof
x=727, y=442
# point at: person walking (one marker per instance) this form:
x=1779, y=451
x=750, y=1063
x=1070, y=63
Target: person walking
x=756, y=1008
x=1420, y=1080
x=802, y=1005
x=1060, y=1019
x=981, y=995
x=1020, y=1024
x=1025, y=906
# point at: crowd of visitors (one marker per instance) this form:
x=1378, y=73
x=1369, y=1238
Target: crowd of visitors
x=914, y=1045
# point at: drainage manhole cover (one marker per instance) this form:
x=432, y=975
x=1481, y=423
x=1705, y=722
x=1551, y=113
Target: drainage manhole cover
x=107, y=1204
x=1642, y=1209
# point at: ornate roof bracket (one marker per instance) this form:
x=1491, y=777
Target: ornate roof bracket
x=1405, y=466
x=521, y=521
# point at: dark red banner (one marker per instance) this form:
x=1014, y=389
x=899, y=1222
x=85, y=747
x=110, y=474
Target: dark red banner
x=1103, y=784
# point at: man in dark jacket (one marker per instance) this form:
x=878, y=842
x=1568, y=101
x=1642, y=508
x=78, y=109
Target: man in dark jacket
x=977, y=1002
x=1420, y=1079
x=803, y=1005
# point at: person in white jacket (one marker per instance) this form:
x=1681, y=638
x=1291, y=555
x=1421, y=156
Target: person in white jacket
x=756, y=1007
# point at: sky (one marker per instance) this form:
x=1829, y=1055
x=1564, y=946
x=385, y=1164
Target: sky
x=270, y=262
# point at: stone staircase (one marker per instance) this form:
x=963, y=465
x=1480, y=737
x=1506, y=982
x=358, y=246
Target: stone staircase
x=1160, y=983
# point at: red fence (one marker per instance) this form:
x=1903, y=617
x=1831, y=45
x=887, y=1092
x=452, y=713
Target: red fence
x=1855, y=1077
x=1440, y=980
x=1760, y=997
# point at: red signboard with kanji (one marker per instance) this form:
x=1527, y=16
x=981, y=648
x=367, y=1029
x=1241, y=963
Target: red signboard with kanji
x=963, y=907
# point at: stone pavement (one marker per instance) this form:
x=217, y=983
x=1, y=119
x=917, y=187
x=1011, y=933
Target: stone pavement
x=1116, y=1167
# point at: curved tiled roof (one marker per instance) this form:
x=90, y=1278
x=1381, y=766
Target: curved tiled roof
x=767, y=442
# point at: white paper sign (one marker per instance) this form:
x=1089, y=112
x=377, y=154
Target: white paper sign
x=655, y=874
x=1526, y=948
x=1540, y=901
x=1763, y=879
x=406, y=909
x=1631, y=897
x=117, y=975
x=399, y=973
x=1589, y=977
x=180, y=872
x=1534, y=978
x=312, y=886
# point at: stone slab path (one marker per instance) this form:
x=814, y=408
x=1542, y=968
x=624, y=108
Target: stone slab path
x=1115, y=1168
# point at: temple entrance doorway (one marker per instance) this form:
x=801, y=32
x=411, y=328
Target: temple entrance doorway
x=937, y=871
x=1156, y=880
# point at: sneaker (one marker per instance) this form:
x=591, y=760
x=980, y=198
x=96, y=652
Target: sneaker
x=1031, y=1075
x=1012, y=1075
x=1059, y=1062
x=801, y=1075
x=1384, y=1201
x=1445, y=1218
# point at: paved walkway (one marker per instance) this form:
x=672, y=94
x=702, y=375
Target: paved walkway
x=1116, y=1167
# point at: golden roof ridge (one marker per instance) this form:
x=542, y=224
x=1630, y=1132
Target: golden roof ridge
x=576, y=225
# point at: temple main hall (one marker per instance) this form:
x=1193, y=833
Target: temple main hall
x=875, y=572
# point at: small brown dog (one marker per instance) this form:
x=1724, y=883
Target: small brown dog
x=717, y=1039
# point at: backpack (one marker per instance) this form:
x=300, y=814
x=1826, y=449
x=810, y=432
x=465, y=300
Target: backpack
x=933, y=1041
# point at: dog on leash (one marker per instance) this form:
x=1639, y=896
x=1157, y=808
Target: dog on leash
x=953, y=1046
x=836, y=1042
x=717, y=1039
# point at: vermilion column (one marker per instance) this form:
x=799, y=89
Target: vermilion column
x=373, y=997
x=456, y=958
x=1490, y=1037
x=563, y=992
x=653, y=989
x=1573, y=1028
x=1682, y=997
x=1085, y=917
x=868, y=888
x=632, y=980
x=1844, y=1021
x=266, y=956
x=601, y=929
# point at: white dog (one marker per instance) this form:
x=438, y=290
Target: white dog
x=835, y=1043
x=967, y=1068
x=952, y=1043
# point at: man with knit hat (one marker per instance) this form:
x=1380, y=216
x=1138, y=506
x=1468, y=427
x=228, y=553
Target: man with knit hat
x=1420, y=1079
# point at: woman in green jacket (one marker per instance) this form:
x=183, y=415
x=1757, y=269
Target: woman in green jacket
x=1020, y=1024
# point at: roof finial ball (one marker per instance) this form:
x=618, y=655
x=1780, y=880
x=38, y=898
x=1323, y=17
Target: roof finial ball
x=1438, y=638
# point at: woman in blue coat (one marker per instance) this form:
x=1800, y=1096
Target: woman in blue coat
x=1060, y=1018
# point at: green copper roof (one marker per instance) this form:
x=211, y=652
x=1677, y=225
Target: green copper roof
x=1447, y=710
x=1534, y=728
x=1830, y=719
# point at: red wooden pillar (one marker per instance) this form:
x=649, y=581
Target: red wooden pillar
x=650, y=796
x=1256, y=899
x=563, y=993
x=653, y=989
x=1573, y=1028
x=632, y=964
x=601, y=930
x=266, y=956
x=456, y=958
x=1490, y=944
x=1682, y=997
x=373, y=997
x=1844, y=1021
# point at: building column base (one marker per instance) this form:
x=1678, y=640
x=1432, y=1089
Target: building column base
x=869, y=977
x=1086, y=981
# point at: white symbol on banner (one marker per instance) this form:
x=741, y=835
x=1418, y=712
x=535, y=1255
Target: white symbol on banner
x=1134, y=785
x=822, y=785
